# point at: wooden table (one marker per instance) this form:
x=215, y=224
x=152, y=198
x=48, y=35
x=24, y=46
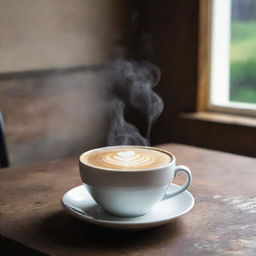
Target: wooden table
x=223, y=221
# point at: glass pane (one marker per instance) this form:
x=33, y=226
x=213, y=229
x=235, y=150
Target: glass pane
x=243, y=51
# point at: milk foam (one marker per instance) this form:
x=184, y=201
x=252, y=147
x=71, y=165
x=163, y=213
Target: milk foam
x=127, y=158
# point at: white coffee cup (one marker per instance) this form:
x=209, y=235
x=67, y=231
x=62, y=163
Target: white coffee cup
x=131, y=193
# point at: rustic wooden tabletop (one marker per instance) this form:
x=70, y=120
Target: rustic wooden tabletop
x=222, y=222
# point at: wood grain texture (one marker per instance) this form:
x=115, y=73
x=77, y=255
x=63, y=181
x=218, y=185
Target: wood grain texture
x=223, y=221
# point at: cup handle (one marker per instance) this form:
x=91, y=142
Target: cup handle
x=180, y=168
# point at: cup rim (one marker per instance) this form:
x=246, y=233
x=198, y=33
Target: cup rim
x=173, y=159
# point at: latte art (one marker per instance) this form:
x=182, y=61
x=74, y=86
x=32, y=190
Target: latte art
x=126, y=158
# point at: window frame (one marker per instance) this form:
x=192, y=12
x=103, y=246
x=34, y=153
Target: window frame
x=219, y=71
x=219, y=128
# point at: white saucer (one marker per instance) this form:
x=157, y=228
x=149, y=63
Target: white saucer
x=80, y=204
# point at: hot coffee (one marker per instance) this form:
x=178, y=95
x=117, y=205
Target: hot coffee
x=126, y=158
x=129, y=180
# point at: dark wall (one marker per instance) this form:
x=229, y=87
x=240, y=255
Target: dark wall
x=174, y=28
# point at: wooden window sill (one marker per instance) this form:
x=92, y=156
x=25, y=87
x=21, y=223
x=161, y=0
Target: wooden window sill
x=220, y=118
x=224, y=132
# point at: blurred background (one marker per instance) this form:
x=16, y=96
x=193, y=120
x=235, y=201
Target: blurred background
x=243, y=54
x=54, y=89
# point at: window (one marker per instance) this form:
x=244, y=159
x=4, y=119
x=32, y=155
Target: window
x=233, y=56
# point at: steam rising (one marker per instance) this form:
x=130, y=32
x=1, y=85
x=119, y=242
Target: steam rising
x=134, y=89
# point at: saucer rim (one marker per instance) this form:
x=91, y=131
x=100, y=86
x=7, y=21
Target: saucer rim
x=120, y=224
